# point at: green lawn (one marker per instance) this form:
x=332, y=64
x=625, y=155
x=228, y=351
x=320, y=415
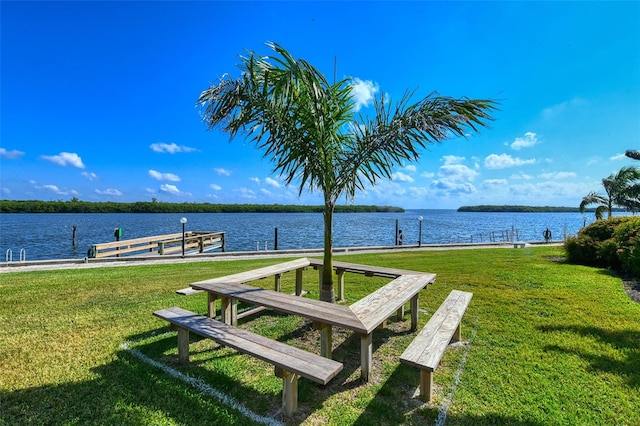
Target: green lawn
x=546, y=343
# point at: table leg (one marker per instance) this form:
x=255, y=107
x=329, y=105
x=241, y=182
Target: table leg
x=211, y=305
x=326, y=338
x=299, y=282
x=340, y=273
x=400, y=313
x=277, y=282
x=229, y=308
x=366, y=355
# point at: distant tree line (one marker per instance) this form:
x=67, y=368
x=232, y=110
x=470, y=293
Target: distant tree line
x=76, y=206
x=520, y=209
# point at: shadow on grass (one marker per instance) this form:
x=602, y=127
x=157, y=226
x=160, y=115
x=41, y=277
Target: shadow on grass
x=394, y=404
x=626, y=342
x=125, y=391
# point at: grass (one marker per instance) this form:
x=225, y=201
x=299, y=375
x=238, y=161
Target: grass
x=547, y=343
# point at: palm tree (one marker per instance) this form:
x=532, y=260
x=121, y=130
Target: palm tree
x=622, y=190
x=308, y=128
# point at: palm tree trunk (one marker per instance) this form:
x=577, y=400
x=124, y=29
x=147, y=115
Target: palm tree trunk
x=326, y=286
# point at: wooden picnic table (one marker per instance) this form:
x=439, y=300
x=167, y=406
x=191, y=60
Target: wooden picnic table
x=362, y=317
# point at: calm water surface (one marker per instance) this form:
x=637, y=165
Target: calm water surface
x=49, y=236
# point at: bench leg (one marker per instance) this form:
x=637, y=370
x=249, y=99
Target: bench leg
x=211, y=305
x=414, y=312
x=366, y=355
x=457, y=335
x=183, y=345
x=426, y=385
x=289, y=391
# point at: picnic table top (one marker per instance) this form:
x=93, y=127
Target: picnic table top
x=362, y=317
x=316, y=310
x=374, y=308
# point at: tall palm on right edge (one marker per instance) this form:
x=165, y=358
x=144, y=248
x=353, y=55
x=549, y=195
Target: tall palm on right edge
x=622, y=189
x=306, y=125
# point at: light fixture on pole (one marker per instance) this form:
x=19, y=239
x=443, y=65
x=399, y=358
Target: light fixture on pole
x=183, y=221
x=420, y=231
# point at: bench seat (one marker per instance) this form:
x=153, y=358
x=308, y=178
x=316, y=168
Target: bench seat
x=426, y=350
x=290, y=362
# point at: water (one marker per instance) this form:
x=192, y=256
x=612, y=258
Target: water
x=49, y=236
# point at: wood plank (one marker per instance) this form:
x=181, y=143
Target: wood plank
x=378, y=271
x=256, y=274
x=428, y=347
x=375, y=308
x=315, y=310
x=298, y=361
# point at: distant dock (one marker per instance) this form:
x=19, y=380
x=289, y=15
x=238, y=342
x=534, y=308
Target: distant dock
x=179, y=243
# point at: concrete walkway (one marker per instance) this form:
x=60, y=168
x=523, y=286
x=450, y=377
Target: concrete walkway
x=48, y=265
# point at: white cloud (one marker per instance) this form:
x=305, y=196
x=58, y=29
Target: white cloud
x=457, y=173
x=452, y=159
x=561, y=108
x=558, y=175
x=65, y=159
x=6, y=191
x=222, y=172
x=427, y=175
x=58, y=191
x=272, y=182
x=109, y=191
x=54, y=189
x=453, y=188
x=255, y=179
x=454, y=178
x=410, y=168
x=215, y=187
x=494, y=183
x=169, y=189
x=530, y=139
x=363, y=92
x=521, y=176
x=593, y=160
x=10, y=155
x=246, y=193
x=90, y=176
x=170, y=148
x=618, y=157
x=503, y=161
x=401, y=177
x=170, y=177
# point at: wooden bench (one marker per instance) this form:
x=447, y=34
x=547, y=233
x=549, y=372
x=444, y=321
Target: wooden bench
x=427, y=349
x=289, y=362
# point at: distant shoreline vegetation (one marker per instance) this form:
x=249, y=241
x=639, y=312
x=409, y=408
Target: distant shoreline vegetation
x=522, y=209
x=77, y=206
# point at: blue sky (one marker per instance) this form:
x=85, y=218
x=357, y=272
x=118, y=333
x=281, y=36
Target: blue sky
x=98, y=99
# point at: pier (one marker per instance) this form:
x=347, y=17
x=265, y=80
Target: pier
x=186, y=243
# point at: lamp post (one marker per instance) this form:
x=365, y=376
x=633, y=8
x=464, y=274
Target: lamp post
x=183, y=221
x=420, y=231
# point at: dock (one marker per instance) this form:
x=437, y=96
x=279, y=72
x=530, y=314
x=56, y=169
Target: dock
x=179, y=243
